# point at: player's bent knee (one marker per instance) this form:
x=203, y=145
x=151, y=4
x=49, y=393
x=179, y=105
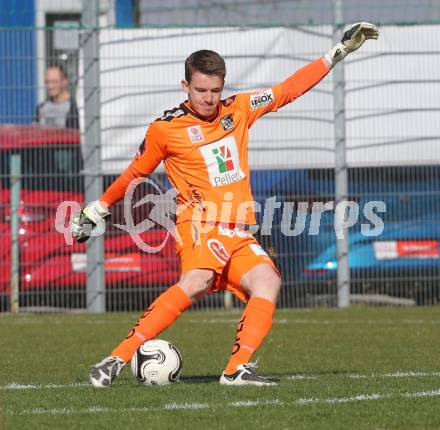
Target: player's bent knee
x=273, y=283
x=268, y=288
x=196, y=283
x=262, y=281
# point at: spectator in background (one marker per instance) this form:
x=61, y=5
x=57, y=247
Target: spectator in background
x=59, y=109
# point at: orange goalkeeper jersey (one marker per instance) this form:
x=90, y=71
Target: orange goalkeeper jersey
x=206, y=160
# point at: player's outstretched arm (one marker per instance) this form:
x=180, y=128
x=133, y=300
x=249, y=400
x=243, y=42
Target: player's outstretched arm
x=352, y=40
x=311, y=74
x=96, y=213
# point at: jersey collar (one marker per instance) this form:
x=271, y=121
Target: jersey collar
x=184, y=106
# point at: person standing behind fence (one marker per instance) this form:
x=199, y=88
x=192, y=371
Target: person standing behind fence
x=59, y=110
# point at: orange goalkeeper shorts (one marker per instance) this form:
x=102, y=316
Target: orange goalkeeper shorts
x=229, y=252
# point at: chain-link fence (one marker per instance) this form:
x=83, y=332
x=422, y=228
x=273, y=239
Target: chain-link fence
x=391, y=139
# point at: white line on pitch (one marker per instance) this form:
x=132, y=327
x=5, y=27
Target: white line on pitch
x=358, y=398
x=237, y=404
x=300, y=377
x=15, y=386
x=252, y=403
x=186, y=406
x=397, y=374
x=431, y=393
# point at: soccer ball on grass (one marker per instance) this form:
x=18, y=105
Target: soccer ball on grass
x=157, y=362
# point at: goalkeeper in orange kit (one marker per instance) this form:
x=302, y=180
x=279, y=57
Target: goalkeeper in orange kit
x=203, y=143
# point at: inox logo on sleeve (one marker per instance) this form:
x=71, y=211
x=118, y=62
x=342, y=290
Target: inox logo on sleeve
x=261, y=99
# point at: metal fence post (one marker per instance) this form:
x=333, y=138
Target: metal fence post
x=15, y=252
x=341, y=177
x=92, y=150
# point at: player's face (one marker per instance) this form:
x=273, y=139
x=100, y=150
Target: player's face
x=204, y=93
x=55, y=82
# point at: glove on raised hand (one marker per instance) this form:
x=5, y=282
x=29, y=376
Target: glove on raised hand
x=352, y=40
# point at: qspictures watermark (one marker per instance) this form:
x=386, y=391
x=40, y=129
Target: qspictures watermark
x=293, y=216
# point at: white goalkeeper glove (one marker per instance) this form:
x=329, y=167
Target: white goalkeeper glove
x=352, y=39
x=93, y=216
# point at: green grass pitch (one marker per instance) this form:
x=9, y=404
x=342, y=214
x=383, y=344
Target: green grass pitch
x=358, y=368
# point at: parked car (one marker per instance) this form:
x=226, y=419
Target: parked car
x=403, y=261
x=51, y=165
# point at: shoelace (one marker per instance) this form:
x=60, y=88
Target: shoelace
x=116, y=367
x=109, y=362
x=250, y=367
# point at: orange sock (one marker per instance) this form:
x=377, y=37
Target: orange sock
x=253, y=327
x=160, y=315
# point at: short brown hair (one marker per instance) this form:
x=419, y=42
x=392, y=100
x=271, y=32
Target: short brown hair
x=60, y=68
x=205, y=61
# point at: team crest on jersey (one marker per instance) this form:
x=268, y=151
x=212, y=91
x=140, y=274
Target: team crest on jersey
x=261, y=99
x=218, y=250
x=222, y=162
x=195, y=134
x=227, y=122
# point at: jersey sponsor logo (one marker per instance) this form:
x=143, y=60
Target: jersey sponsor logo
x=218, y=250
x=227, y=122
x=195, y=198
x=222, y=162
x=225, y=231
x=169, y=115
x=262, y=99
x=257, y=249
x=224, y=159
x=195, y=134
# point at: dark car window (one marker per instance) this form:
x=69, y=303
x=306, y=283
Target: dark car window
x=46, y=168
